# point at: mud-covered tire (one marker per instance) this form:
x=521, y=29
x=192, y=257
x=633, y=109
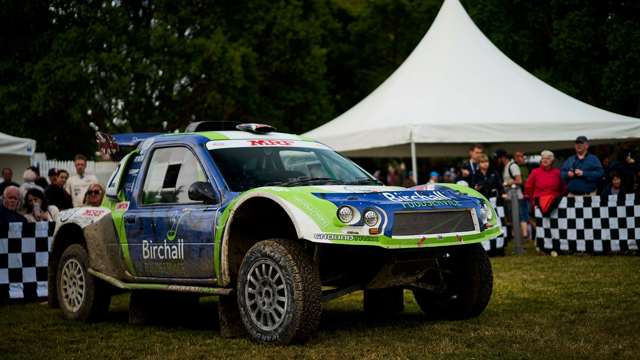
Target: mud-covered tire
x=469, y=284
x=80, y=295
x=383, y=302
x=279, y=292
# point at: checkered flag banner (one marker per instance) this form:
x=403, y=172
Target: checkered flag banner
x=24, y=257
x=497, y=245
x=591, y=224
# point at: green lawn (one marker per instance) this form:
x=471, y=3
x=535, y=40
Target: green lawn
x=542, y=307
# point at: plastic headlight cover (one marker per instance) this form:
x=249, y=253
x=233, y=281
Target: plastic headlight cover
x=371, y=218
x=345, y=214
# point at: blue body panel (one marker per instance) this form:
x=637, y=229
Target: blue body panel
x=172, y=240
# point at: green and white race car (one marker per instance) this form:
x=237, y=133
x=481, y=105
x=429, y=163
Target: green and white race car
x=272, y=223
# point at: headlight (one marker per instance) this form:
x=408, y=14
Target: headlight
x=371, y=218
x=346, y=214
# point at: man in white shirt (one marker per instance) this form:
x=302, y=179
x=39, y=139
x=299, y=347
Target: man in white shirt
x=78, y=184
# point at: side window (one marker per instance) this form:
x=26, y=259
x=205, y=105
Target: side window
x=169, y=176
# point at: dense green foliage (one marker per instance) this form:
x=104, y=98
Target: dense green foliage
x=134, y=65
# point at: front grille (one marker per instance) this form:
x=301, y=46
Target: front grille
x=433, y=222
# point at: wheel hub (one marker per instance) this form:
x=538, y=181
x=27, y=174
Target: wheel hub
x=266, y=295
x=73, y=285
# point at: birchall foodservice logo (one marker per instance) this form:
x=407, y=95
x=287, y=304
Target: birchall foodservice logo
x=415, y=196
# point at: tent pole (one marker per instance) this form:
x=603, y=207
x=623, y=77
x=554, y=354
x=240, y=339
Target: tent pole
x=414, y=161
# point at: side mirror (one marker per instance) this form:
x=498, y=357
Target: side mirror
x=203, y=191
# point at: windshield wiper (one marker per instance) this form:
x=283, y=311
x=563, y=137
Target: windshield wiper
x=365, y=181
x=305, y=180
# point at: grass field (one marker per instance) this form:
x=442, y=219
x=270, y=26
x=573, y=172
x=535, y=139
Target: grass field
x=542, y=307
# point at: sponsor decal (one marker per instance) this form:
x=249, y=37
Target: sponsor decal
x=93, y=212
x=344, y=237
x=164, y=251
x=271, y=142
x=415, y=196
x=435, y=203
x=122, y=206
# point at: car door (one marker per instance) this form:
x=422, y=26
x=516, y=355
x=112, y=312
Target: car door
x=170, y=235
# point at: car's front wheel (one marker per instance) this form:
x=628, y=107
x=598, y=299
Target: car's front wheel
x=279, y=292
x=81, y=296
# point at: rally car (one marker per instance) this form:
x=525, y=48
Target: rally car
x=272, y=223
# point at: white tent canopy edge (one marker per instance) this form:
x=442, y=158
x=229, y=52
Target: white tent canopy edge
x=456, y=88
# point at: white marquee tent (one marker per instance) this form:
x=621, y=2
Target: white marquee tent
x=15, y=153
x=456, y=88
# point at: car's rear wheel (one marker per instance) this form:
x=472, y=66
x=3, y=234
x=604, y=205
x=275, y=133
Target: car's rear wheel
x=465, y=280
x=81, y=296
x=279, y=292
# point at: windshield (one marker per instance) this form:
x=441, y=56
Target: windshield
x=245, y=168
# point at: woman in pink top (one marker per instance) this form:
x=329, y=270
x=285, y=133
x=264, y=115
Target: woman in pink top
x=544, y=180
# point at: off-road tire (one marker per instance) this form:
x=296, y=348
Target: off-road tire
x=469, y=283
x=384, y=302
x=279, y=272
x=80, y=295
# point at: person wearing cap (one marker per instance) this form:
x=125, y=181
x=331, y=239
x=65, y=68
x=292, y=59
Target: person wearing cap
x=582, y=171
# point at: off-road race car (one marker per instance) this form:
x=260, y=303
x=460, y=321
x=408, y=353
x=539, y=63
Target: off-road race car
x=272, y=223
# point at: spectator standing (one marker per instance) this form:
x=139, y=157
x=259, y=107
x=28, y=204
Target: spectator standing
x=544, y=180
x=55, y=193
x=614, y=187
x=518, y=156
x=53, y=175
x=433, y=177
x=626, y=168
x=29, y=177
x=485, y=180
x=78, y=184
x=7, y=176
x=582, y=171
x=9, y=207
x=511, y=176
x=94, y=195
x=37, y=207
x=470, y=166
x=392, y=176
x=40, y=181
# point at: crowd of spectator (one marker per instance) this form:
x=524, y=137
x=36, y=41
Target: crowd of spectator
x=581, y=174
x=41, y=199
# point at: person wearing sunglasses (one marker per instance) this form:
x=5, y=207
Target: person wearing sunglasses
x=94, y=195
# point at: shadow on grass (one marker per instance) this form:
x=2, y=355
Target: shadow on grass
x=204, y=317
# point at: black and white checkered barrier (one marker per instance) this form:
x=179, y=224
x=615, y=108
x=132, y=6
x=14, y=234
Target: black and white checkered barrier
x=24, y=256
x=497, y=244
x=590, y=224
